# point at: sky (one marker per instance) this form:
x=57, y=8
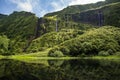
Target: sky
x=39, y=7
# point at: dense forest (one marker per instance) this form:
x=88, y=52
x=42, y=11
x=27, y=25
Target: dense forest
x=80, y=30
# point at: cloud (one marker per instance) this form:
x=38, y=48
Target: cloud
x=77, y=2
x=42, y=7
x=24, y=5
x=35, y=6
x=58, y=5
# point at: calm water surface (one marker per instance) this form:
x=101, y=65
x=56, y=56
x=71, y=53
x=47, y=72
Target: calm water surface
x=60, y=70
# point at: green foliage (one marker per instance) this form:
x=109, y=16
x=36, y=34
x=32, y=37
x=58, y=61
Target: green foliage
x=4, y=44
x=64, y=50
x=93, y=41
x=112, y=14
x=2, y=16
x=56, y=54
x=20, y=24
x=103, y=53
x=73, y=38
x=82, y=55
x=80, y=8
x=112, y=1
x=110, y=51
x=117, y=53
x=51, y=39
x=20, y=29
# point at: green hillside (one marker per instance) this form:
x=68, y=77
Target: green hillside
x=52, y=39
x=2, y=16
x=18, y=24
x=110, y=13
x=73, y=31
x=101, y=41
x=19, y=27
x=79, y=8
x=89, y=13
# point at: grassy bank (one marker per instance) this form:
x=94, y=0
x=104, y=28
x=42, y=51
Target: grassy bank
x=112, y=57
x=1, y=57
x=42, y=57
x=36, y=56
x=37, y=59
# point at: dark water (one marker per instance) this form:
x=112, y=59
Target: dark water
x=60, y=70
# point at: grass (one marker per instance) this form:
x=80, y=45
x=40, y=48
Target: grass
x=29, y=59
x=44, y=60
x=33, y=59
x=37, y=54
x=40, y=60
x=42, y=57
x=39, y=57
x=1, y=57
x=111, y=57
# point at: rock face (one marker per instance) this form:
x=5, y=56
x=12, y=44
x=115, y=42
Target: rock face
x=106, y=15
x=101, y=13
x=94, y=17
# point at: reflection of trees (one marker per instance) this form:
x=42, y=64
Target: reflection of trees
x=92, y=70
x=60, y=70
x=56, y=63
x=14, y=70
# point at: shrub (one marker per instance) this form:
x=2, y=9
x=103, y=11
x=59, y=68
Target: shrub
x=94, y=41
x=33, y=50
x=56, y=54
x=53, y=50
x=83, y=55
x=65, y=50
x=103, y=53
x=117, y=53
x=80, y=32
x=42, y=48
x=4, y=44
x=110, y=51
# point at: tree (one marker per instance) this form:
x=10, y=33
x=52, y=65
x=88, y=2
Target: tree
x=4, y=43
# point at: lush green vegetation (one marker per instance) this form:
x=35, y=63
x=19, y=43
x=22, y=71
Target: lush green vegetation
x=4, y=44
x=79, y=8
x=89, y=13
x=91, y=16
x=112, y=17
x=52, y=39
x=23, y=32
x=64, y=45
x=101, y=41
x=60, y=70
x=19, y=27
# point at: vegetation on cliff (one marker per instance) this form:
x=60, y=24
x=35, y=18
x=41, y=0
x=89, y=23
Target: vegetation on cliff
x=73, y=31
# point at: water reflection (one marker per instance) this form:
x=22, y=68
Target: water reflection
x=55, y=63
x=60, y=70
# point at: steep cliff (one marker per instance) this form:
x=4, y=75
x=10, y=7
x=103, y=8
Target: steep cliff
x=105, y=15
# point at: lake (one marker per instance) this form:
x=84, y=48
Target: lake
x=79, y=69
